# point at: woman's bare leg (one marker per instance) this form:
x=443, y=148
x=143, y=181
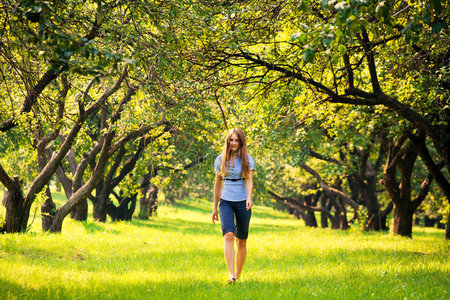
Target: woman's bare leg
x=228, y=248
x=241, y=253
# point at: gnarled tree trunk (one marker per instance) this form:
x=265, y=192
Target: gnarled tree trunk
x=403, y=159
x=125, y=210
x=16, y=218
x=403, y=219
x=149, y=204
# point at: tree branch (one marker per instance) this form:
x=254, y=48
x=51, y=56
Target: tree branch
x=330, y=190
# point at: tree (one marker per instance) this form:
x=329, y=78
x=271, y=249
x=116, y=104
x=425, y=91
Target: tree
x=22, y=30
x=60, y=36
x=344, y=53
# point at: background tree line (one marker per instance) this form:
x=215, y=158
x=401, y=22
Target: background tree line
x=345, y=104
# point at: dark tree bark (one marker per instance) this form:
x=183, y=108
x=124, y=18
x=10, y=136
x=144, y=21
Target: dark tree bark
x=14, y=203
x=48, y=208
x=417, y=220
x=310, y=219
x=153, y=201
x=148, y=201
x=429, y=222
x=340, y=215
x=125, y=210
x=403, y=159
x=42, y=179
x=50, y=168
x=323, y=216
x=299, y=208
x=333, y=192
x=80, y=211
x=144, y=202
x=103, y=204
x=368, y=180
x=86, y=189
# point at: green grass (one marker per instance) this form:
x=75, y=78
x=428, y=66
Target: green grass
x=178, y=255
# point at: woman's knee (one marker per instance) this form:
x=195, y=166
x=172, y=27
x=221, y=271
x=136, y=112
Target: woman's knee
x=229, y=236
x=241, y=243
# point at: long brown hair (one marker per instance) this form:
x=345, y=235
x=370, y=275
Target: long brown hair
x=242, y=154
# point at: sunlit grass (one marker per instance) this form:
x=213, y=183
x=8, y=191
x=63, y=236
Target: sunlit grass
x=178, y=254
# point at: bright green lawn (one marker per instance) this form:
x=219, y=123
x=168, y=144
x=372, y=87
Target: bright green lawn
x=178, y=254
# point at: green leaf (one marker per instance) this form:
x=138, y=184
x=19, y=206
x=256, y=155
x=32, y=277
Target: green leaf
x=342, y=49
x=437, y=27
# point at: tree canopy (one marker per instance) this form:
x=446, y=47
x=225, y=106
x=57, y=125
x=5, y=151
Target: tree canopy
x=345, y=105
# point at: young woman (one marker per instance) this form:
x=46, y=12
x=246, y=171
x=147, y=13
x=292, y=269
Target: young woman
x=233, y=188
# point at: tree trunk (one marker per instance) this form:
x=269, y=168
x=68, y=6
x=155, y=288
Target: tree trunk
x=127, y=207
x=80, y=211
x=403, y=220
x=335, y=221
x=323, y=216
x=16, y=218
x=447, y=229
x=5, y=196
x=375, y=220
x=145, y=205
x=417, y=220
x=429, y=222
x=403, y=158
x=102, y=198
x=343, y=222
x=48, y=210
x=310, y=219
x=153, y=201
x=144, y=208
x=84, y=191
x=125, y=210
x=99, y=211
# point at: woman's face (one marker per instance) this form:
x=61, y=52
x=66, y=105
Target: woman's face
x=234, y=142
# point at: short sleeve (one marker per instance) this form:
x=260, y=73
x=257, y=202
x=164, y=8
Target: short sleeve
x=217, y=163
x=251, y=162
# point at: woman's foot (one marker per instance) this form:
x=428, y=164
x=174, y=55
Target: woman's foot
x=231, y=278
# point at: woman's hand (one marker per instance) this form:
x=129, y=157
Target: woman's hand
x=249, y=204
x=214, y=216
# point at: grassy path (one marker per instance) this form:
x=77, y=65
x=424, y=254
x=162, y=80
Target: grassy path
x=178, y=255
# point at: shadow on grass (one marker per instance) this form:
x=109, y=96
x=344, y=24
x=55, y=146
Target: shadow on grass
x=206, y=208
x=94, y=227
x=268, y=215
x=11, y=290
x=194, y=206
x=201, y=228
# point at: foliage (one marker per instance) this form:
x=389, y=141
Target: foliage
x=284, y=71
